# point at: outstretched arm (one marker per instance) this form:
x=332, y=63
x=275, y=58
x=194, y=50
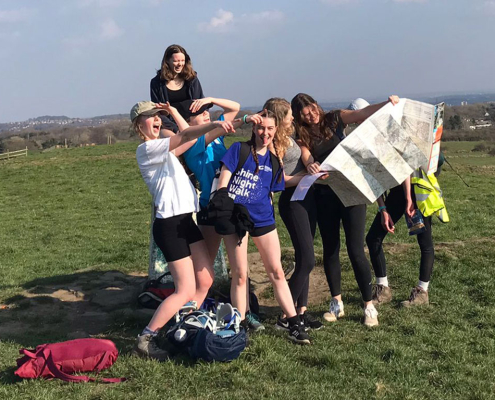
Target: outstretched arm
x=358, y=116
x=238, y=122
x=230, y=108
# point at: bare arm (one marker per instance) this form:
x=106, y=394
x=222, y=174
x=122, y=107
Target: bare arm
x=357, y=116
x=182, y=124
x=406, y=186
x=293, y=180
x=312, y=166
x=230, y=107
x=386, y=219
x=224, y=178
x=194, y=132
x=238, y=122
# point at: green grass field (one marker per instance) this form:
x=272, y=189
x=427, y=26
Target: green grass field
x=85, y=211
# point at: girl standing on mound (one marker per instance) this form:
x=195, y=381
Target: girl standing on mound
x=251, y=186
x=319, y=133
x=299, y=216
x=174, y=230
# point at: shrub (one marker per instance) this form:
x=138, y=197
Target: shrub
x=480, y=147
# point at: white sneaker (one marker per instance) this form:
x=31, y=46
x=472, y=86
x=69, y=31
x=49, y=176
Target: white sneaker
x=370, y=316
x=335, y=312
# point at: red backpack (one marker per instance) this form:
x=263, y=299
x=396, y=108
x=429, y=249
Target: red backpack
x=58, y=360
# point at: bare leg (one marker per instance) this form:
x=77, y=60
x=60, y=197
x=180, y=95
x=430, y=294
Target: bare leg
x=238, y=267
x=203, y=270
x=185, y=286
x=269, y=248
x=212, y=240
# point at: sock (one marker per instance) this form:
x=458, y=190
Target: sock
x=382, y=281
x=148, y=331
x=371, y=306
x=294, y=320
x=423, y=285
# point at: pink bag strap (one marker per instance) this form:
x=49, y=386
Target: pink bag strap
x=74, y=378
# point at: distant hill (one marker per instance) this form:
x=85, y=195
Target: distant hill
x=48, y=122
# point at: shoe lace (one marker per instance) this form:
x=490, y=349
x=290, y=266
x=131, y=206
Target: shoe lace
x=335, y=307
x=414, y=293
x=308, y=318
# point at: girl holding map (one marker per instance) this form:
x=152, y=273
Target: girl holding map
x=319, y=133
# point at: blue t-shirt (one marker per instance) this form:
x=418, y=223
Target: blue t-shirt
x=204, y=161
x=250, y=190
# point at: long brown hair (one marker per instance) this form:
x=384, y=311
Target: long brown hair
x=280, y=107
x=303, y=132
x=187, y=72
x=252, y=144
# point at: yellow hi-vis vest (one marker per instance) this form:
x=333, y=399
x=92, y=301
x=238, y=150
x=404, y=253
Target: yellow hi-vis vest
x=428, y=194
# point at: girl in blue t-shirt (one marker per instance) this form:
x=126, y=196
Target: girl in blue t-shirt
x=252, y=186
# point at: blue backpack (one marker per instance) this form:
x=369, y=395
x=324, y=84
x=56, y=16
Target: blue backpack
x=210, y=336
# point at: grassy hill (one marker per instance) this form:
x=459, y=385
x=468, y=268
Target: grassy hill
x=83, y=214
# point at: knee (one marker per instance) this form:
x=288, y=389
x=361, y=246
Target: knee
x=239, y=278
x=373, y=243
x=204, y=282
x=186, y=293
x=276, y=273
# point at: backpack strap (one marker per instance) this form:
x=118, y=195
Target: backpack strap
x=245, y=150
x=275, y=166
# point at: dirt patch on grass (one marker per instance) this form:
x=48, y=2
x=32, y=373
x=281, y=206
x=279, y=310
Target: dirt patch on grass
x=85, y=304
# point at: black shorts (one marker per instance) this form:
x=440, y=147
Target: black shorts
x=174, y=235
x=202, y=217
x=262, y=230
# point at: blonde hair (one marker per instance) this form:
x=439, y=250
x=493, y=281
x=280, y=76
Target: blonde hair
x=280, y=108
x=137, y=127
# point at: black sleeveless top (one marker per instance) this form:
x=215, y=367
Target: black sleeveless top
x=176, y=96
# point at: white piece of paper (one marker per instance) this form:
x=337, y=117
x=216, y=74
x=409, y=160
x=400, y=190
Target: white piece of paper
x=304, y=185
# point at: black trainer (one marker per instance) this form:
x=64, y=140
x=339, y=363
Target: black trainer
x=298, y=335
x=282, y=324
x=310, y=322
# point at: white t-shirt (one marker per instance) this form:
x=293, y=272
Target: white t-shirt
x=172, y=191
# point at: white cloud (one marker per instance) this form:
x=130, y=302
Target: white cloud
x=223, y=22
x=100, y=3
x=265, y=16
x=19, y=15
x=410, y=1
x=110, y=30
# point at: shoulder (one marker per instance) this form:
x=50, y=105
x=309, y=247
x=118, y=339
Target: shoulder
x=156, y=80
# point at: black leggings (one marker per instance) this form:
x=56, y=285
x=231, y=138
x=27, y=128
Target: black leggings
x=300, y=219
x=396, y=206
x=330, y=211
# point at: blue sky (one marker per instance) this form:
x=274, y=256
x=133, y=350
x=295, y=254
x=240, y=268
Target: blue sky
x=84, y=58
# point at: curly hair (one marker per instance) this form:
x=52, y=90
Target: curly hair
x=137, y=128
x=280, y=107
x=187, y=72
x=303, y=133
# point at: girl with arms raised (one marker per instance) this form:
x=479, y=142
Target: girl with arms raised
x=174, y=230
